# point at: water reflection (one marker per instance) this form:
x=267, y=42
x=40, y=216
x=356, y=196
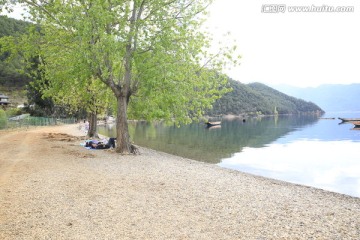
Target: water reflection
x=197, y=142
x=298, y=149
x=333, y=166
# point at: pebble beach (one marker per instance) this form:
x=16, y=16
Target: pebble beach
x=53, y=188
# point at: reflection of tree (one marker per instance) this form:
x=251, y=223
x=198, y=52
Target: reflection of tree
x=211, y=145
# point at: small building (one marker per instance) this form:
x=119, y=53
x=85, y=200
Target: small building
x=4, y=100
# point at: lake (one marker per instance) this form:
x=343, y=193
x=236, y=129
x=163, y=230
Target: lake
x=299, y=149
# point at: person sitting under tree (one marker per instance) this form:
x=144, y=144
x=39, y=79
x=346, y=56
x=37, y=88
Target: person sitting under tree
x=103, y=144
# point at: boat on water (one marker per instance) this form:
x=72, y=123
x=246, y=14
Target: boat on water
x=356, y=123
x=212, y=124
x=214, y=127
x=349, y=119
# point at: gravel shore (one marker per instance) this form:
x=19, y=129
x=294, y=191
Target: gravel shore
x=52, y=188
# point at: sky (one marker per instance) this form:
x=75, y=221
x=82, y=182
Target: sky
x=303, y=49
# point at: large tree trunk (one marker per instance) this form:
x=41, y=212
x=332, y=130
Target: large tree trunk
x=92, y=125
x=123, y=144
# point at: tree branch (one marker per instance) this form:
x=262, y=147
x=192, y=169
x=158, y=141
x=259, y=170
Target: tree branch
x=49, y=14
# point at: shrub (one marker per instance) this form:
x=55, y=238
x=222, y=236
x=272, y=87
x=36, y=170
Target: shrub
x=11, y=112
x=3, y=119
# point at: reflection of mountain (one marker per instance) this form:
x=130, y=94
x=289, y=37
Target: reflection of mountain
x=197, y=142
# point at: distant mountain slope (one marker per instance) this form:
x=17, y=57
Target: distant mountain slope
x=10, y=76
x=258, y=98
x=330, y=97
x=12, y=27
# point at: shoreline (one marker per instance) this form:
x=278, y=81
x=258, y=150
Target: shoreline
x=302, y=172
x=54, y=188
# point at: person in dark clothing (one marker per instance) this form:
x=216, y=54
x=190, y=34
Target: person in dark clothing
x=101, y=145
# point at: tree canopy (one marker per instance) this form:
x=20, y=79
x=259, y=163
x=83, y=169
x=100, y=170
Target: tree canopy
x=152, y=55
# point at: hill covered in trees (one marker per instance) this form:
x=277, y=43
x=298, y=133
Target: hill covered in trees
x=9, y=74
x=12, y=27
x=257, y=98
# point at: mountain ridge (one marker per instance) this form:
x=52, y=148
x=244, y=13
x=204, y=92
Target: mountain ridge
x=330, y=97
x=259, y=99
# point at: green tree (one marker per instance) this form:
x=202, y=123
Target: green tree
x=152, y=52
x=58, y=75
x=72, y=81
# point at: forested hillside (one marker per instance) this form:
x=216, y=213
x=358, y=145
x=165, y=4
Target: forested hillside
x=12, y=27
x=9, y=74
x=257, y=98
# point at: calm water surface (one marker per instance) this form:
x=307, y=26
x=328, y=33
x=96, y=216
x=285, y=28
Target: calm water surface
x=300, y=149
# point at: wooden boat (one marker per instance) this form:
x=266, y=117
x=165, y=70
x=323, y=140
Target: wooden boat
x=211, y=124
x=214, y=127
x=349, y=119
x=356, y=123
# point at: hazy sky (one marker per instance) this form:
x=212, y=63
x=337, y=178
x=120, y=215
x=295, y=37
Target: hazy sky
x=295, y=48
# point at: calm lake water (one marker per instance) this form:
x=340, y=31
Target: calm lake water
x=299, y=149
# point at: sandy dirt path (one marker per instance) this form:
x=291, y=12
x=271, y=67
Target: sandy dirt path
x=52, y=188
